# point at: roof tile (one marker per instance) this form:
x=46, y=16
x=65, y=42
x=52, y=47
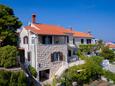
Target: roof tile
x=45, y=29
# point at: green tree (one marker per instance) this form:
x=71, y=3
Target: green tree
x=8, y=56
x=8, y=26
x=100, y=44
x=107, y=53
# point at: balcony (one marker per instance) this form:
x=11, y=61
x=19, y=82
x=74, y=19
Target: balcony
x=52, y=40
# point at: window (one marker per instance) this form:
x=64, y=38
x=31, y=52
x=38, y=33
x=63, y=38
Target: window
x=25, y=40
x=82, y=41
x=88, y=41
x=46, y=39
x=33, y=40
x=67, y=39
x=69, y=53
x=73, y=41
x=56, y=56
x=29, y=56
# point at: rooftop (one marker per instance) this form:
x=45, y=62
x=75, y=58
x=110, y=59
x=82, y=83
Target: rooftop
x=111, y=45
x=45, y=29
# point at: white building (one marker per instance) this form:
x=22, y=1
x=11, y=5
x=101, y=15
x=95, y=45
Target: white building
x=49, y=47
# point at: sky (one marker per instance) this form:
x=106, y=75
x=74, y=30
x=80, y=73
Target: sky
x=96, y=16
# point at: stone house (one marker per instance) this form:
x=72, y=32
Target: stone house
x=49, y=47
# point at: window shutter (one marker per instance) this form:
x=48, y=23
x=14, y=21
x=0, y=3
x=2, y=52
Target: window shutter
x=61, y=56
x=52, y=59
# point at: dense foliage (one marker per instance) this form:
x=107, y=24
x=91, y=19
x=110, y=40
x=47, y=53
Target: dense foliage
x=33, y=71
x=108, y=54
x=8, y=26
x=8, y=78
x=8, y=56
x=85, y=73
x=87, y=48
x=109, y=75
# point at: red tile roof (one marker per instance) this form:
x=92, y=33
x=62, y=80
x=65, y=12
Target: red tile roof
x=69, y=31
x=82, y=34
x=111, y=45
x=45, y=29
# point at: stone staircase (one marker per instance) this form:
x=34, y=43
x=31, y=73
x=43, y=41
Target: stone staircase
x=66, y=66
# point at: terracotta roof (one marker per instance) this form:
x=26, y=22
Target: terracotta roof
x=111, y=45
x=69, y=31
x=45, y=29
x=82, y=34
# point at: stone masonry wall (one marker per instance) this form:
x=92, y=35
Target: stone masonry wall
x=44, y=57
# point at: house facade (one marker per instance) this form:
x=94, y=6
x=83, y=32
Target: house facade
x=48, y=47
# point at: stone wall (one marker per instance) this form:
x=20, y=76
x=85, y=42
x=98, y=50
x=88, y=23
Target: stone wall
x=44, y=57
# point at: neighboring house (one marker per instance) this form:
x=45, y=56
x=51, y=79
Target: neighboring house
x=111, y=46
x=49, y=47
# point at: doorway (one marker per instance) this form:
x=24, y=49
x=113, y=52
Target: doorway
x=44, y=75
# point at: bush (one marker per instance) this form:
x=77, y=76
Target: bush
x=9, y=78
x=109, y=75
x=8, y=56
x=33, y=71
x=4, y=77
x=22, y=79
x=84, y=73
x=108, y=54
x=96, y=59
x=87, y=48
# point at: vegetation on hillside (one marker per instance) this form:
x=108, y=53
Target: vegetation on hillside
x=8, y=78
x=92, y=69
x=107, y=53
x=8, y=56
x=9, y=24
x=85, y=73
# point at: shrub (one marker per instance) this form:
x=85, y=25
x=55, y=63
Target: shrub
x=9, y=78
x=8, y=56
x=87, y=48
x=22, y=79
x=109, y=75
x=4, y=77
x=96, y=59
x=108, y=54
x=84, y=73
x=33, y=71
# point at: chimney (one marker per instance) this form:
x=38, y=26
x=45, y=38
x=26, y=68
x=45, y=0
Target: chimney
x=89, y=32
x=33, y=18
